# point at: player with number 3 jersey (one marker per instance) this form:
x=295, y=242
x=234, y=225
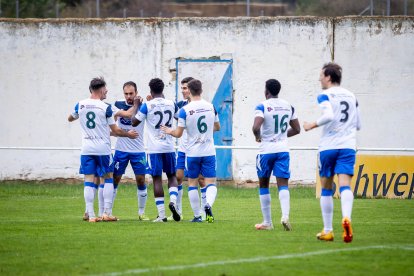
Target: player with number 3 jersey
x=340, y=120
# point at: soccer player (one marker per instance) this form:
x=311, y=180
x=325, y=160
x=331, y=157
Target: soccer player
x=161, y=155
x=200, y=119
x=95, y=116
x=181, y=156
x=271, y=130
x=130, y=150
x=340, y=120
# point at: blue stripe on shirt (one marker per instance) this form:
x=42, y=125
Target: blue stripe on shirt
x=182, y=114
x=144, y=109
x=260, y=107
x=322, y=98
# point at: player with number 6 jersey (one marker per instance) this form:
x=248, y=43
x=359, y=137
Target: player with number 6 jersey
x=200, y=120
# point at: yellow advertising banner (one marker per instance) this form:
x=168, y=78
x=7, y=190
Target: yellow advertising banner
x=379, y=176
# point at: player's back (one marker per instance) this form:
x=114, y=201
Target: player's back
x=158, y=112
x=277, y=113
x=341, y=131
x=124, y=143
x=94, y=118
x=199, y=122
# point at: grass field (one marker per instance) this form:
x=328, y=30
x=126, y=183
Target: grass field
x=41, y=232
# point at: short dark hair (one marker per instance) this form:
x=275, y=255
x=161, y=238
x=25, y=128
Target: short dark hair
x=186, y=80
x=273, y=86
x=97, y=83
x=156, y=85
x=195, y=87
x=334, y=71
x=130, y=83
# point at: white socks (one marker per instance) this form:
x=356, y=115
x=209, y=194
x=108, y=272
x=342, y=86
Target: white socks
x=211, y=193
x=327, y=209
x=194, y=200
x=284, y=198
x=108, y=194
x=142, y=196
x=347, y=199
x=159, y=201
x=265, y=205
x=101, y=199
x=180, y=199
x=89, y=195
x=173, y=194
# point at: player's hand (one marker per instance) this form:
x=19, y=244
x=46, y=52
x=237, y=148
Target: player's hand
x=149, y=98
x=166, y=130
x=132, y=134
x=258, y=139
x=308, y=126
x=138, y=100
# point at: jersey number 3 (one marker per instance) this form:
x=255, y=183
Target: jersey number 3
x=344, y=111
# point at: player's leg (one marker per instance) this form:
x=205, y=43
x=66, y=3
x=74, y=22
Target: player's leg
x=180, y=177
x=100, y=181
x=154, y=168
x=169, y=167
x=96, y=182
x=264, y=165
x=282, y=172
x=107, y=168
x=193, y=169
x=138, y=163
x=208, y=171
x=88, y=169
x=121, y=160
x=203, y=189
x=327, y=161
x=345, y=170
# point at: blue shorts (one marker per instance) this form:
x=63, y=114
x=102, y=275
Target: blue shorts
x=137, y=159
x=336, y=161
x=98, y=165
x=180, y=160
x=276, y=162
x=159, y=162
x=206, y=166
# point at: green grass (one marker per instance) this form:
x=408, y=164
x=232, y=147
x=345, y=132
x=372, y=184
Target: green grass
x=41, y=232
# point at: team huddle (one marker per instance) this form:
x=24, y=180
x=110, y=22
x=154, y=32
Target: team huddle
x=196, y=120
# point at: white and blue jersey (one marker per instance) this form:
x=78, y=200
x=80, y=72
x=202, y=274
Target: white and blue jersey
x=126, y=144
x=158, y=112
x=182, y=144
x=95, y=116
x=277, y=113
x=198, y=118
x=340, y=131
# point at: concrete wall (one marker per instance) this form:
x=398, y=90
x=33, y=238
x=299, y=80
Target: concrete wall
x=46, y=66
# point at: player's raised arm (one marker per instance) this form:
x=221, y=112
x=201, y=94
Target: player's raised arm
x=140, y=116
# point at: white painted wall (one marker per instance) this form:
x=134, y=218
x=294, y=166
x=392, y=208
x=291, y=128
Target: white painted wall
x=46, y=66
